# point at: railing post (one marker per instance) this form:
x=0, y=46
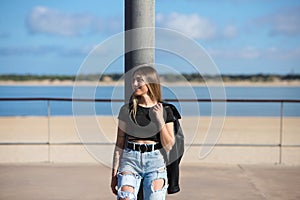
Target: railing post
x=48, y=137
x=281, y=132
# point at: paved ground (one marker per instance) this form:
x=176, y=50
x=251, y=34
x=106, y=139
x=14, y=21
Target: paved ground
x=91, y=182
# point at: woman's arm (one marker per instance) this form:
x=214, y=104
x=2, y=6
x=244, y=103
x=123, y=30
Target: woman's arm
x=167, y=136
x=166, y=129
x=120, y=142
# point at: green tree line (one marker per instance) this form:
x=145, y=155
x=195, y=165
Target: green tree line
x=193, y=77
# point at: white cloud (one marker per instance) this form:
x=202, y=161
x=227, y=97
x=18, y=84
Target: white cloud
x=45, y=50
x=192, y=25
x=49, y=21
x=28, y=50
x=283, y=22
x=242, y=53
x=282, y=54
x=252, y=53
x=249, y=53
x=45, y=20
x=230, y=31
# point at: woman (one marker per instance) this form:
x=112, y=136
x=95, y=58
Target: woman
x=145, y=130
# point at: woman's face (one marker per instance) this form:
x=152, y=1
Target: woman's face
x=138, y=84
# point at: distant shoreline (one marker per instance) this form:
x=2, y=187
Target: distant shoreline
x=114, y=83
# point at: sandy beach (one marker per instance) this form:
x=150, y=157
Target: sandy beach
x=250, y=140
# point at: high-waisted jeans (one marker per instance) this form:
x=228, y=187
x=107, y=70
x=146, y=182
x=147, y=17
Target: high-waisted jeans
x=134, y=167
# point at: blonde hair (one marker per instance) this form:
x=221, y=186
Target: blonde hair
x=151, y=79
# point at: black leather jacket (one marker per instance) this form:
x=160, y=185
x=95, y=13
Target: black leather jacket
x=174, y=157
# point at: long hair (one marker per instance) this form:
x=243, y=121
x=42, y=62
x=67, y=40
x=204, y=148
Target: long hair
x=151, y=79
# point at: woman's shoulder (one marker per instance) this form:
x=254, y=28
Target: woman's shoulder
x=124, y=110
x=171, y=108
x=125, y=107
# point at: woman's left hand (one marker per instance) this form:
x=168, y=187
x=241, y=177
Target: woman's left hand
x=158, y=111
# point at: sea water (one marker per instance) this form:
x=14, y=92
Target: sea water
x=40, y=108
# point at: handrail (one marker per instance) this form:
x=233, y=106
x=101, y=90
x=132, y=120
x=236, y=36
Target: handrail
x=48, y=99
x=170, y=100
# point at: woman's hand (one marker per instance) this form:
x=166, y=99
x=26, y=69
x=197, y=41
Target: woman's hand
x=158, y=111
x=114, y=184
x=166, y=129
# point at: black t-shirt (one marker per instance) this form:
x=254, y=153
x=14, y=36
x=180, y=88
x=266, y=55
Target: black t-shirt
x=145, y=126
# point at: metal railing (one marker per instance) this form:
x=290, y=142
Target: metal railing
x=48, y=100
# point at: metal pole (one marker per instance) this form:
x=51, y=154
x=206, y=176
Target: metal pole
x=48, y=139
x=139, y=15
x=281, y=132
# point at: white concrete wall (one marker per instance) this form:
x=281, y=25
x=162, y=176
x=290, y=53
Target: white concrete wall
x=239, y=131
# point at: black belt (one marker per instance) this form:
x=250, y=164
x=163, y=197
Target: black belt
x=143, y=147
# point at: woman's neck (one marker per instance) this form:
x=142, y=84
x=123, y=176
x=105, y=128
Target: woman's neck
x=146, y=101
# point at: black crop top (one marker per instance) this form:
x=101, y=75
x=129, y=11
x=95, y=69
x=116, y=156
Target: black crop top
x=146, y=126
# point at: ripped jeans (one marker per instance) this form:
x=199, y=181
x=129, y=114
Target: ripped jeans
x=135, y=166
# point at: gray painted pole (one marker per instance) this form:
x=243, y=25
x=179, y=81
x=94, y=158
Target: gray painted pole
x=138, y=14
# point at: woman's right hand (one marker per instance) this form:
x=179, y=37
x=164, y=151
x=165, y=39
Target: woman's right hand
x=114, y=184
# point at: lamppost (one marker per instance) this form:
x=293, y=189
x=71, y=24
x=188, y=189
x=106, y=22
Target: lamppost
x=139, y=37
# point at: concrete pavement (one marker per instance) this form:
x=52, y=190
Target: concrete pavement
x=198, y=181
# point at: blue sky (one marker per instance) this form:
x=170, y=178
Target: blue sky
x=241, y=36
